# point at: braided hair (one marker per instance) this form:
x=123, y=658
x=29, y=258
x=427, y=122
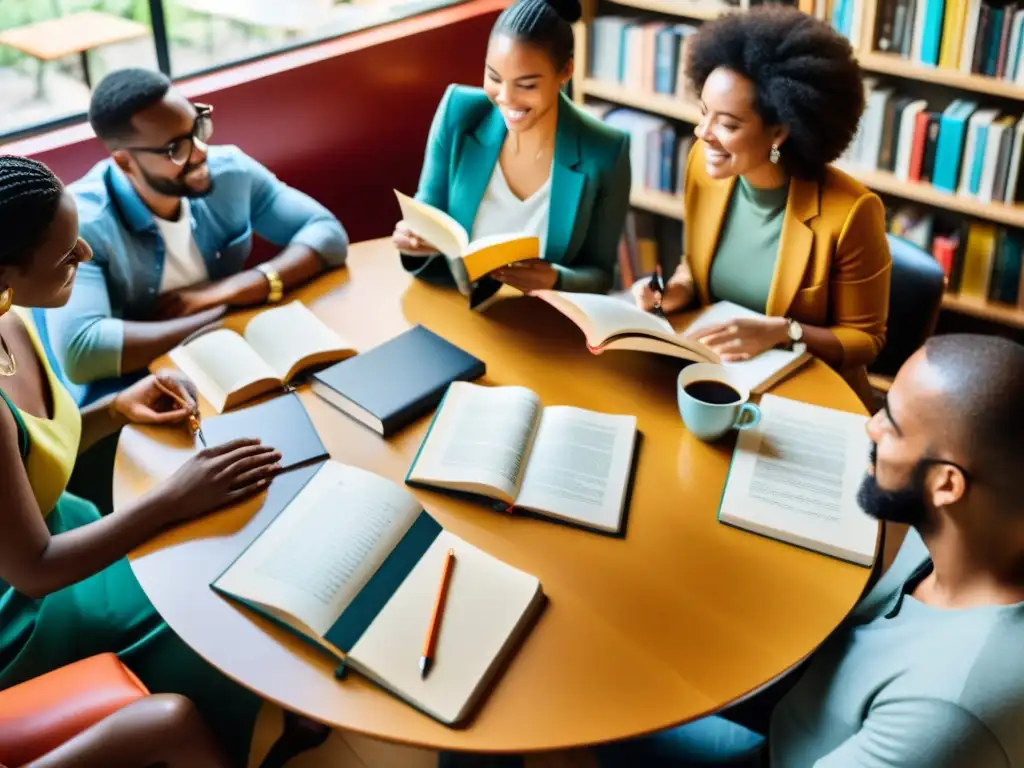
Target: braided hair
x=544, y=23
x=30, y=194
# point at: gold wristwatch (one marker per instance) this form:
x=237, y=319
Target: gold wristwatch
x=274, y=279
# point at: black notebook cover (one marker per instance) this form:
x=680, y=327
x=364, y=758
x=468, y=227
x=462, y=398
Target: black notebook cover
x=281, y=423
x=394, y=384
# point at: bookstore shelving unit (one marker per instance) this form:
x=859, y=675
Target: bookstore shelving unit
x=586, y=88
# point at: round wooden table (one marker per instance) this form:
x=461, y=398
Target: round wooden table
x=672, y=622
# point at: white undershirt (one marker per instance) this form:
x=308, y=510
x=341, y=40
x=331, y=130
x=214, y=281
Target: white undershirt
x=183, y=263
x=501, y=212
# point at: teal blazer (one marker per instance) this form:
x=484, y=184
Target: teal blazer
x=589, y=185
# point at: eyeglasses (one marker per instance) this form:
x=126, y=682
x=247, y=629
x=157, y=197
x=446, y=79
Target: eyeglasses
x=178, y=150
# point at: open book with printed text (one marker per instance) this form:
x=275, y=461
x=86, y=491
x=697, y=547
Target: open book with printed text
x=610, y=323
x=795, y=477
x=353, y=565
x=468, y=260
x=230, y=368
x=501, y=443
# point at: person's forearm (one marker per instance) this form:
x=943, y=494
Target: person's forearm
x=824, y=345
x=84, y=551
x=99, y=419
x=145, y=341
x=295, y=265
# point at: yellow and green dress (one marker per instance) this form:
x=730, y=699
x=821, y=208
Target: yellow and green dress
x=107, y=612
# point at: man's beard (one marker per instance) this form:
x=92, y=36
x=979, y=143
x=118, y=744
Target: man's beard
x=176, y=187
x=903, y=505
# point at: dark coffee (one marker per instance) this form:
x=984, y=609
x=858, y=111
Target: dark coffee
x=713, y=392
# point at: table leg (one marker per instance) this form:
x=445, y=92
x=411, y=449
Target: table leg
x=84, y=58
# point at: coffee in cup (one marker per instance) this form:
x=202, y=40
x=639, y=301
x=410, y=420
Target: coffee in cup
x=712, y=401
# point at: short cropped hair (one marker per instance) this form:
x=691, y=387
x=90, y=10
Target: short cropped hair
x=30, y=194
x=804, y=73
x=983, y=390
x=119, y=96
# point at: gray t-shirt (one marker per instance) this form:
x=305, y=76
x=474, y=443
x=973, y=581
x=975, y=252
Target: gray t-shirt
x=901, y=683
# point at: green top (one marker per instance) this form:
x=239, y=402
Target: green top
x=748, y=245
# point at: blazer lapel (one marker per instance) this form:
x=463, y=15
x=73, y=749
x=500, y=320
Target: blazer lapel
x=795, y=243
x=475, y=165
x=567, y=183
x=709, y=209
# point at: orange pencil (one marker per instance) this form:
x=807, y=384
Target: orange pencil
x=435, y=621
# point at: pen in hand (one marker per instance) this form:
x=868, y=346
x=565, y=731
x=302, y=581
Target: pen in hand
x=657, y=286
x=193, y=417
x=435, y=620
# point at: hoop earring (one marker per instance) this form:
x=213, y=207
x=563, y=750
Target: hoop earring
x=8, y=365
x=774, y=155
x=6, y=300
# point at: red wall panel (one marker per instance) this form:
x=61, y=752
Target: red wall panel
x=345, y=121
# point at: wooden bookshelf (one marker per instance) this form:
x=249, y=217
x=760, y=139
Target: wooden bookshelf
x=661, y=203
x=687, y=9
x=892, y=64
x=992, y=311
x=688, y=111
x=657, y=103
x=921, y=192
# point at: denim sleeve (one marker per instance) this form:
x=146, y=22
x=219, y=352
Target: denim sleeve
x=87, y=341
x=285, y=215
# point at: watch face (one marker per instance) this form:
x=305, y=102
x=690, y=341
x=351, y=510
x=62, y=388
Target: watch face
x=796, y=331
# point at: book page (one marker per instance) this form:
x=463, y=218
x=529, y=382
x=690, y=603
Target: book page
x=433, y=225
x=481, y=437
x=288, y=335
x=489, y=604
x=320, y=551
x=219, y=363
x=759, y=372
x=796, y=475
x=579, y=467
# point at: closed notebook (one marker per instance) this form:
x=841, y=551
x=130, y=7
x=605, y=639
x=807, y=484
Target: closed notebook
x=795, y=477
x=352, y=565
x=282, y=423
x=394, y=384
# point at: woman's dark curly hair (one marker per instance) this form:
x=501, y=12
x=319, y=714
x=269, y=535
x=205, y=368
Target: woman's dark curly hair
x=804, y=74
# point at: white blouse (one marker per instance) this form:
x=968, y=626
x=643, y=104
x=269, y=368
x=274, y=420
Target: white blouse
x=502, y=213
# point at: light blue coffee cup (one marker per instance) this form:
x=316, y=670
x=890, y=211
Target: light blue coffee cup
x=709, y=420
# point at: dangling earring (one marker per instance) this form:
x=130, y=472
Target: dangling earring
x=774, y=154
x=8, y=365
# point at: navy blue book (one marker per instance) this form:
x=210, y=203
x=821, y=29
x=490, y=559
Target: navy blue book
x=394, y=384
x=281, y=423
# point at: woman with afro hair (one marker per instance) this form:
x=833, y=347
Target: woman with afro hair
x=770, y=224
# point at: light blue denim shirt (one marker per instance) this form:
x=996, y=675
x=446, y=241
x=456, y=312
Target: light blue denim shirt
x=122, y=282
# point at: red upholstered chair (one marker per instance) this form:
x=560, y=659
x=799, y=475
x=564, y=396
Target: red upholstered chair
x=41, y=714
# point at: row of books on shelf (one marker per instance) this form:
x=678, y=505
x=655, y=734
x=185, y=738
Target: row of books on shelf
x=640, y=55
x=981, y=260
x=963, y=149
x=973, y=36
x=657, y=150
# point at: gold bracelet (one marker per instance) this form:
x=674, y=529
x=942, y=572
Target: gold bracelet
x=276, y=284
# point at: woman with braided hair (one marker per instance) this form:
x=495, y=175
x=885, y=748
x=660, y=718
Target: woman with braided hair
x=66, y=589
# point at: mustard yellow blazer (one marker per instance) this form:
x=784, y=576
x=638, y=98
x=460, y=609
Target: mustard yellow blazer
x=833, y=267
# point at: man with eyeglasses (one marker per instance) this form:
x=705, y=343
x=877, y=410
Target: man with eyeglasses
x=928, y=669
x=170, y=219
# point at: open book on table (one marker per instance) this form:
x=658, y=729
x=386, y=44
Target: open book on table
x=795, y=477
x=560, y=462
x=469, y=261
x=353, y=565
x=610, y=323
x=229, y=368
